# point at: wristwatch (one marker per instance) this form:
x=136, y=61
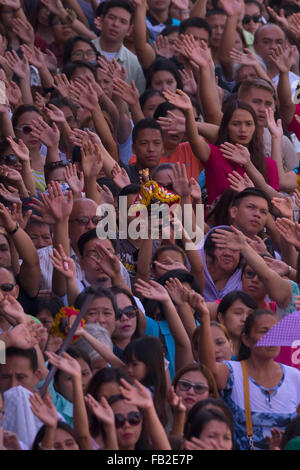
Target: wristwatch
x=12, y=232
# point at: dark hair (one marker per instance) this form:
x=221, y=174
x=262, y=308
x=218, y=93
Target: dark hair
x=29, y=354
x=163, y=248
x=70, y=68
x=215, y=11
x=53, y=305
x=219, y=214
x=69, y=45
x=197, y=420
x=260, y=83
x=292, y=430
x=256, y=147
x=106, y=6
x=149, y=350
x=231, y=297
x=197, y=367
x=20, y=110
x=161, y=167
x=209, y=244
x=163, y=108
x=245, y=352
x=106, y=375
x=195, y=22
x=249, y=2
x=163, y=64
x=41, y=433
x=76, y=354
x=170, y=29
x=148, y=93
x=120, y=290
x=61, y=101
x=98, y=293
x=214, y=402
x=146, y=123
x=130, y=189
x=257, y=192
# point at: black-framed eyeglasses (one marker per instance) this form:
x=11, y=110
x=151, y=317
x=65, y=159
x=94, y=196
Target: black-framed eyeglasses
x=249, y=274
x=7, y=287
x=81, y=53
x=85, y=220
x=10, y=160
x=185, y=386
x=255, y=18
x=24, y=129
x=130, y=312
x=134, y=418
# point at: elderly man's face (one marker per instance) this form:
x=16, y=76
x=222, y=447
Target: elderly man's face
x=268, y=38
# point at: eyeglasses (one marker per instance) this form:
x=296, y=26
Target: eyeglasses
x=10, y=160
x=7, y=287
x=130, y=312
x=134, y=418
x=58, y=164
x=85, y=220
x=255, y=18
x=80, y=53
x=249, y=274
x=185, y=386
x=24, y=129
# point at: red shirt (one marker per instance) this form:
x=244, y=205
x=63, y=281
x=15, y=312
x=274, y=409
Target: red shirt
x=294, y=126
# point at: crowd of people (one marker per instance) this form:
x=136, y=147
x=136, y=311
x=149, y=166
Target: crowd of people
x=109, y=111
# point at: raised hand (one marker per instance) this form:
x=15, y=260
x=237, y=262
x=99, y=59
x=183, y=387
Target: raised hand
x=63, y=263
x=62, y=85
x=109, y=263
x=13, y=93
x=44, y=409
x=280, y=267
x=55, y=6
x=136, y=395
x=274, y=440
x=79, y=137
x=198, y=53
x=170, y=265
x=24, y=30
x=91, y=159
x=180, y=182
x=84, y=96
x=105, y=194
x=18, y=66
x=6, y=219
x=189, y=82
x=76, y=183
x=172, y=123
x=178, y=99
x=174, y=289
x=239, y=183
x=257, y=244
x=33, y=55
x=120, y=176
x=244, y=58
x=12, y=309
x=195, y=190
x=100, y=409
x=275, y=128
x=163, y=47
x=279, y=19
x=151, y=290
x=284, y=205
x=234, y=240
x=17, y=215
x=294, y=24
x=11, y=175
x=282, y=58
x=175, y=401
x=49, y=136
x=22, y=336
x=54, y=114
x=9, y=193
x=59, y=205
x=237, y=153
x=232, y=7
x=65, y=363
x=128, y=93
x=289, y=230
x=296, y=195
x=19, y=149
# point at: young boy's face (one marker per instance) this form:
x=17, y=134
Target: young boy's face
x=115, y=25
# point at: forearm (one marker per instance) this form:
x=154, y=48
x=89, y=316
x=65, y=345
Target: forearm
x=111, y=440
x=288, y=253
x=199, y=9
x=60, y=237
x=80, y=28
x=208, y=131
x=6, y=125
x=144, y=260
x=41, y=363
x=287, y=181
x=72, y=290
x=103, y=350
x=199, y=147
x=124, y=124
x=80, y=418
x=91, y=191
x=178, y=423
x=76, y=7
x=112, y=109
x=186, y=315
x=226, y=45
x=144, y=51
x=104, y=133
x=155, y=430
x=211, y=109
x=52, y=154
x=136, y=112
x=284, y=92
x=26, y=90
x=28, y=178
x=259, y=181
x=47, y=79
x=22, y=189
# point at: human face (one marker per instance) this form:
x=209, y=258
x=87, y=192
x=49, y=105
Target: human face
x=167, y=258
x=26, y=120
x=62, y=32
x=158, y=5
x=43, y=16
x=57, y=174
x=64, y=441
x=170, y=140
x=83, y=51
x=101, y=311
x=164, y=178
x=219, y=433
x=115, y=25
x=128, y=434
x=125, y=327
x=251, y=215
x=223, y=347
x=40, y=235
x=17, y=371
x=259, y=100
x=235, y=317
x=217, y=24
x=108, y=389
x=83, y=72
x=45, y=318
x=151, y=104
x=148, y=148
x=136, y=369
x=252, y=13
x=6, y=277
x=252, y=285
x=226, y=260
x=246, y=72
x=261, y=326
x=69, y=116
x=16, y=164
x=86, y=373
x=199, y=34
x=241, y=127
x=163, y=80
x=269, y=37
x=5, y=254
x=81, y=208
x=190, y=397
x=91, y=264
x=7, y=15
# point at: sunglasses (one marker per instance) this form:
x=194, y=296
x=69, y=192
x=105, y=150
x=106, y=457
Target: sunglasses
x=7, y=287
x=85, y=220
x=130, y=312
x=255, y=18
x=25, y=129
x=185, y=386
x=134, y=418
x=10, y=160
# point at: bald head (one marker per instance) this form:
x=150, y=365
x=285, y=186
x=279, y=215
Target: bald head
x=266, y=39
